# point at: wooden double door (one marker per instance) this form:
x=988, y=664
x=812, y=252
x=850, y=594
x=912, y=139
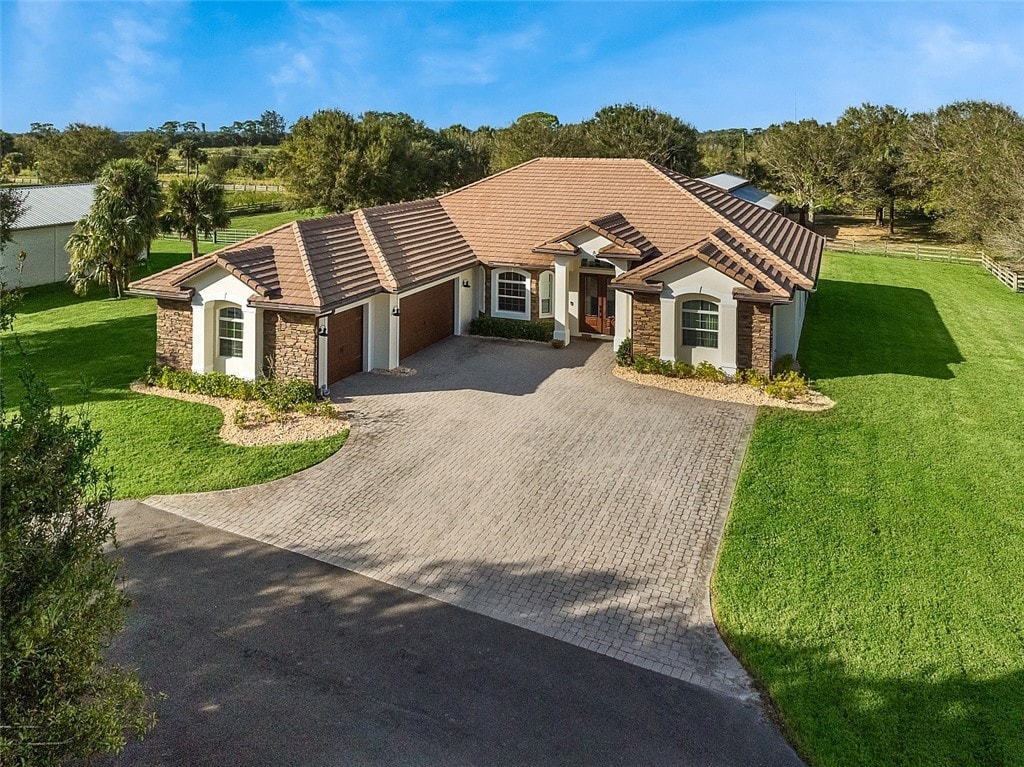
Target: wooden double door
x=598, y=304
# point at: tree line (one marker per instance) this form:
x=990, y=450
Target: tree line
x=961, y=163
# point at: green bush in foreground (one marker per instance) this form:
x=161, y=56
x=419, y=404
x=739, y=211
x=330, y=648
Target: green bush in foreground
x=280, y=395
x=61, y=598
x=500, y=327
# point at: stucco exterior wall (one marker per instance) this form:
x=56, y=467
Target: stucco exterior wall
x=787, y=325
x=754, y=336
x=289, y=345
x=174, y=334
x=46, y=260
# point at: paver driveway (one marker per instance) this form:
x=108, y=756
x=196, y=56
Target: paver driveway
x=527, y=484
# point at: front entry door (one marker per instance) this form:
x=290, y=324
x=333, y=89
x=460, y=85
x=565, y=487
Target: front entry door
x=598, y=305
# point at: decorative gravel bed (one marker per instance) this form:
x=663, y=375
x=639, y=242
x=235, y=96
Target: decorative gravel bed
x=264, y=427
x=725, y=392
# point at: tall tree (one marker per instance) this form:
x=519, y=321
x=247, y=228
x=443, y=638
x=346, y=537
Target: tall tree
x=959, y=158
x=806, y=161
x=132, y=186
x=193, y=155
x=59, y=591
x=628, y=130
x=77, y=153
x=537, y=134
x=12, y=207
x=877, y=138
x=272, y=127
x=195, y=205
x=319, y=161
x=152, y=147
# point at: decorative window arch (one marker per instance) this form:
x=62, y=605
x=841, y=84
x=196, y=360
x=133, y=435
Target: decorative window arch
x=700, y=323
x=547, y=294
x=230, y=331
x=510, y=293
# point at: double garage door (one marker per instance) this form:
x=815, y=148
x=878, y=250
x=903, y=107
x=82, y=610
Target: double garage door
x=426, y=318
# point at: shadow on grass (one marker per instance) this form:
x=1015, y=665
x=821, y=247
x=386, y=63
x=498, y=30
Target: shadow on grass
x=846, y=719
x=267, y=657
x=856, y=328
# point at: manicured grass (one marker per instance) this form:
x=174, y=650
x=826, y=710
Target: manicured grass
x=263, y=222
x=872, y=571
x=89, y=350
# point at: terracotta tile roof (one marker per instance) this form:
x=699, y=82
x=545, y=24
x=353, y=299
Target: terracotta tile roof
x=418, y=242
x=625, y=239
x=323, y=263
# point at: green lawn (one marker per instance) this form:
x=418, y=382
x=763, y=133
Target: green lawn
x=263, y=222
x=872, y=571
x=90, y=349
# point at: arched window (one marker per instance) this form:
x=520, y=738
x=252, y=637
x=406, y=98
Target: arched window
x=700, y=324
x=512, y=295
x=547, y=294
x=229, y=332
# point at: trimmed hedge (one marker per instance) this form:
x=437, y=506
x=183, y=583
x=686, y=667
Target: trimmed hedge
x=499, y=327
x=278, y=394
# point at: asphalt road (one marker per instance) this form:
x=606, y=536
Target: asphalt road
x=266, y=657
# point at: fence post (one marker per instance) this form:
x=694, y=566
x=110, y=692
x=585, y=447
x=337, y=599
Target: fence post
x=214, y=236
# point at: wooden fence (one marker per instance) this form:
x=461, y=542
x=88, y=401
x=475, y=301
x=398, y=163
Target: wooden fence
x=895, y=250
x=1011, y=278
x=254, y=187
x=219, y=236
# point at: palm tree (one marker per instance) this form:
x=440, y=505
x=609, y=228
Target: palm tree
x=132, y=186
x=190, y=151
x=116, y=233
x=105, y=245
x=194, y=205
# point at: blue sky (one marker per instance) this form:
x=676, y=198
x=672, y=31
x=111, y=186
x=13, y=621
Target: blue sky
x=716, y=65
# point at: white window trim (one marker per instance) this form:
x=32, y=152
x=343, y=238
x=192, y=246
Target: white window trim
x=546, y=279
x=495, y=312
x=239, y=321
x=718, y=317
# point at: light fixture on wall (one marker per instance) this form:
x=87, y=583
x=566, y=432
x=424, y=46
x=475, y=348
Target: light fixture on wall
x=396, y=312
x=465, y=284
x=322, y=331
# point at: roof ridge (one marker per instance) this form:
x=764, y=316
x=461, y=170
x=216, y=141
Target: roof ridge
x=742, y=235
x=374, y=250
x=736, y=251
x=314, y=287
x=488, y=178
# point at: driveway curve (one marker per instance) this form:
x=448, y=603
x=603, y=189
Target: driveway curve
x=527, y=484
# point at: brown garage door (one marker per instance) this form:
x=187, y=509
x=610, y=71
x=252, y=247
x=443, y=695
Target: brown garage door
x=427, y=317
x=344, y=344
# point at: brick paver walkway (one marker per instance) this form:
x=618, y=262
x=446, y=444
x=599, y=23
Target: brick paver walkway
x=527, y=484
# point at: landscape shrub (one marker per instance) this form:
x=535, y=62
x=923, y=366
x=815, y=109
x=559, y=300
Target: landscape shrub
x=705, y=371
x=683, y=370
x=751, y=378
x=280, y=395
x=786, y=385
x=785, y=364
x=499, y=327
x=624, y=354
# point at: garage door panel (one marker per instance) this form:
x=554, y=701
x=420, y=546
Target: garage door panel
x=426, y=318
x=344, y=344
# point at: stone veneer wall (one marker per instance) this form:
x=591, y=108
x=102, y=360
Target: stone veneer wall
x=174, y=333
x=289, y=345
x=754, y=336
x=647, y=324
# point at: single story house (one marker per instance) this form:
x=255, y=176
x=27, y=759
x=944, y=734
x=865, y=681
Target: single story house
x=602, y=248
x=42, y=233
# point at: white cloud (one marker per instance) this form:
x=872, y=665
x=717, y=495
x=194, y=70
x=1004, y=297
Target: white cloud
x=479, y=62
x=298, y=70
x=946, y=47
x=132, y=67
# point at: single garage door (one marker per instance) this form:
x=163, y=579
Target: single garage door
x=344, y=344
x=426, y=318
